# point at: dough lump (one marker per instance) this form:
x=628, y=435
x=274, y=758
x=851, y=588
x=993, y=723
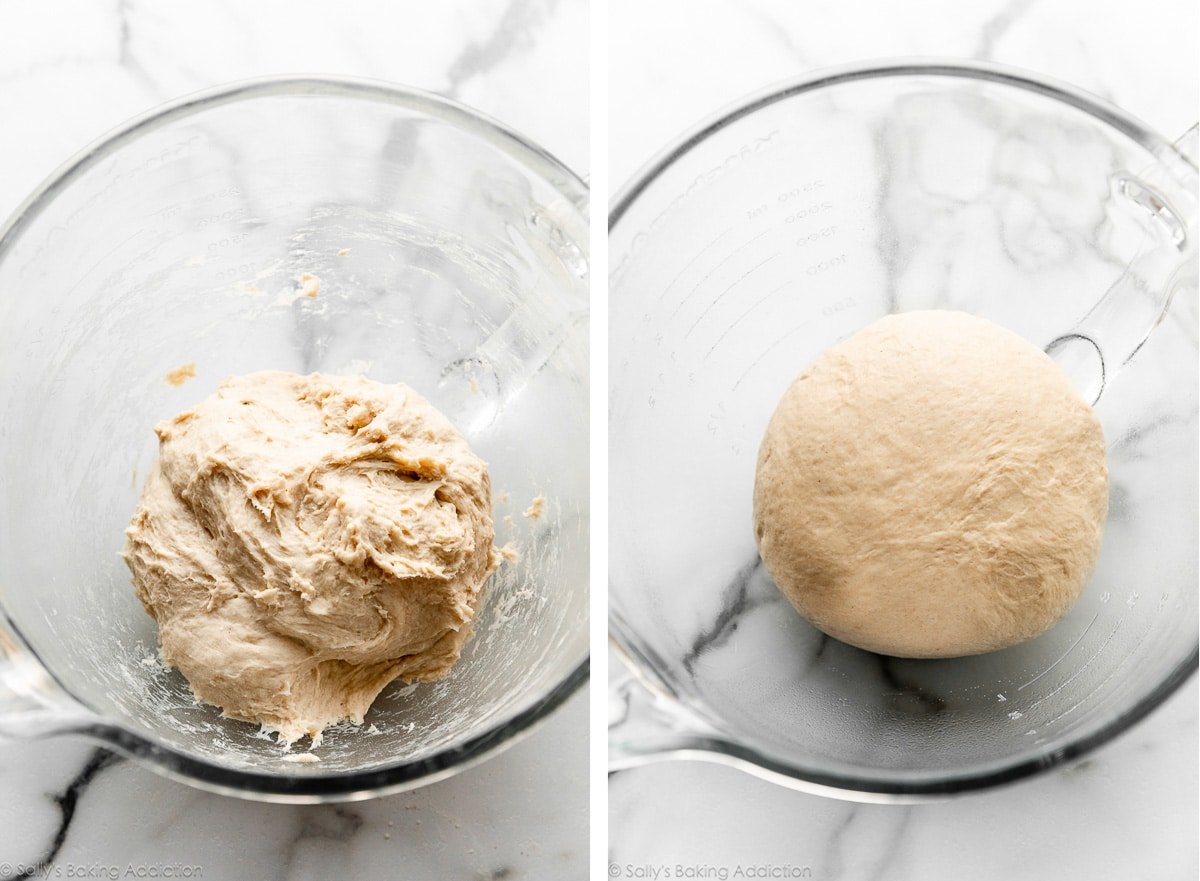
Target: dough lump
x=931, y=487
x=304, y=540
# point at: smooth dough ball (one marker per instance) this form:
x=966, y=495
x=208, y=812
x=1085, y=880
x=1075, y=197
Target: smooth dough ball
x=304, y=540
x=931, y=487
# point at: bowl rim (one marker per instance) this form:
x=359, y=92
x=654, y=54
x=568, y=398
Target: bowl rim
x=623, y=635
x=335, y=785
x=951, y=68
x=498, y=134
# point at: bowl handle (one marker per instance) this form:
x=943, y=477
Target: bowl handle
x=1113, y=330
x=646, y=725
x=32, y=704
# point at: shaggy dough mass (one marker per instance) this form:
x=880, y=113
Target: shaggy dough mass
x=933, y=486
x=304, y=540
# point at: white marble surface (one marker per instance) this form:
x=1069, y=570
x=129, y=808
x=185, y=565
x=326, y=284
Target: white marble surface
x=1130, y=809
x=69, y=71
x=72, y=69
x=522, y=814
x=671, y=65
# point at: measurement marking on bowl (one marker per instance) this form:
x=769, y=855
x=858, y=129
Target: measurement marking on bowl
x=800, y=190
x=766, y=352
x=1078, y=672
x=702, y=253
x=1067, y=652
x=715, y=419
x=811, y=211
x=737, y=282
x=738, y=250
x=221, y=217
x=227, y=241
x=1112, y=674
x=827, y=232
x=744, y=315
x=839, y=306
x=824, y=265
x=121, y=244
x=240, y=271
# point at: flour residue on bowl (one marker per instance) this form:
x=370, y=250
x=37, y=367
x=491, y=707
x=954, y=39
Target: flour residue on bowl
x=310, y=285
x=180, y=374
x=302, y=758
x=536, y=508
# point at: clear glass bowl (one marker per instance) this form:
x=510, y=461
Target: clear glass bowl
x=781, y=226
x=181, y=238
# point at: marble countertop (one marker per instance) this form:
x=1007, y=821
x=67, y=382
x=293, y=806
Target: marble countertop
x=71, y=70
x=522, y=814
x=1129, y=810
x=664, y=75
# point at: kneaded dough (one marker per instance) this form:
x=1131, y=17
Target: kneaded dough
x=931, y=487
x=305, y=540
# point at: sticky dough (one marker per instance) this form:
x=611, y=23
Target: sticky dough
x=931, y=487
x=305, y=540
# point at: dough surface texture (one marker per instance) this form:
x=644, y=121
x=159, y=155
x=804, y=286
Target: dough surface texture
x=303, y=541
x=931, y=487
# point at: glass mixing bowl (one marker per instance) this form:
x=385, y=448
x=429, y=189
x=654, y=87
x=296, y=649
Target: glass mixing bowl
x=181, y=238
x=781, y=226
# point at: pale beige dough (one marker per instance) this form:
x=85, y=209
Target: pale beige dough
x=305, y=540
x=931, y=487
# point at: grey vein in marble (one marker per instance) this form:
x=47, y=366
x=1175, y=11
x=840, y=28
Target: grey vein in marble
x=514, y=31
x=334, y=823
x=125, y=56
x=887, y=245
x=998, y=25
x=916, y=697
x=736, y=601
x=834, y=867
x=67, y=801
x=780, y=34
